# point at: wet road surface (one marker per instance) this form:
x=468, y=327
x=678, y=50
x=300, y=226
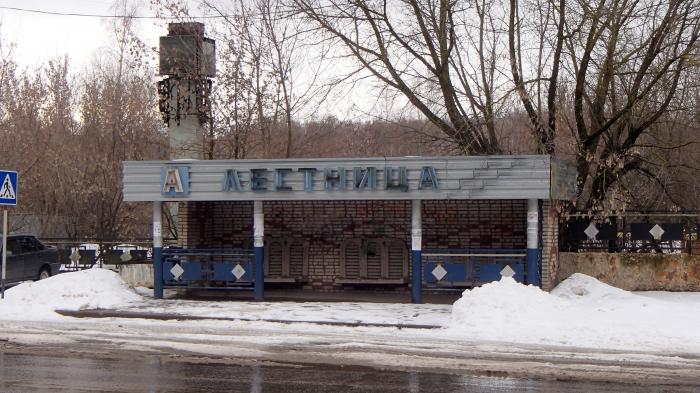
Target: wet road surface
x=105, y=372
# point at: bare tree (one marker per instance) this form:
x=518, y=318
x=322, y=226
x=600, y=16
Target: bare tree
x=423, y=50
x=627, y=59
x=598, y=76
x=67, y=134
x=547, y=14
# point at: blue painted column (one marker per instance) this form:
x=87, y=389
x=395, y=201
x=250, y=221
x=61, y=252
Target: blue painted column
x=259, y=244
x=533, y=250
x=416, y=246
x=157, y=250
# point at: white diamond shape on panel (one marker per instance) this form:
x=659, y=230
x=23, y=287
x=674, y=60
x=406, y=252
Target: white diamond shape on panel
x=75, y=255
x=177, y=271
x=439, y=272
x=657, y=232
x=238, y=271
x=507, y=272
x=126, y=256
x=591, y=231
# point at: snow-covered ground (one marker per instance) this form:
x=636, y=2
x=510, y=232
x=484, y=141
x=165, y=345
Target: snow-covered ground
x=346, y=312
x=86, y=289
x=580, y=313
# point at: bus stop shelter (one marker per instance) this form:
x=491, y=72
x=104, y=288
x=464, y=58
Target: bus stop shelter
x=407, y=224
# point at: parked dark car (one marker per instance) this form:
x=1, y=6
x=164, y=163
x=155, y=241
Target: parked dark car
x=29, y=259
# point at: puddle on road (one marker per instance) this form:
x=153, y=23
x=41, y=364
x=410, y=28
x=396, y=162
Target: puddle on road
x=40, y=373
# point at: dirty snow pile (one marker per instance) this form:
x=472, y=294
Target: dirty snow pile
x=580, y=312
x=87, y=289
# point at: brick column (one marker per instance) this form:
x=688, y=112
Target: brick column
x=185, y=227
x=550, y=245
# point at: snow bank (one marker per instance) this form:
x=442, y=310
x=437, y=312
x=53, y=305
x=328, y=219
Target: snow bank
x=580, y=312
x=87, y=289
x=586, y=288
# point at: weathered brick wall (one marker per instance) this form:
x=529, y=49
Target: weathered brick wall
x=215, y=224
x=550, y=245
x=326, y=224
x=474, y=224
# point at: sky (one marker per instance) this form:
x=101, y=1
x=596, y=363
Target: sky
x=40, y=37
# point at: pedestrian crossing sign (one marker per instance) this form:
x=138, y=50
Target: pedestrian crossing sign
x=8, y=187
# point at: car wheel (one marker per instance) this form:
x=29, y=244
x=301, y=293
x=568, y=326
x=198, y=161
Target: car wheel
x=44, y=274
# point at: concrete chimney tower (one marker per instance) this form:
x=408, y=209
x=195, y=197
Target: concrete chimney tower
x=187, y=61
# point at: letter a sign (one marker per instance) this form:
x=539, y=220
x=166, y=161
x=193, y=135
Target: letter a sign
x=8, y=188
x=175, y=181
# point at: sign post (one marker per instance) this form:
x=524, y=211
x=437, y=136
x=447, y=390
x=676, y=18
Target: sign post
x=8, y=197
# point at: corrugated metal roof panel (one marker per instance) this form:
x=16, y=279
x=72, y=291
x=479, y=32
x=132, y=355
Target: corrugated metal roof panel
x=490, y=177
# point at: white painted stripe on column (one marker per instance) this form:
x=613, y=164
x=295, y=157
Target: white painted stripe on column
x=157, y=224
x=532, y=224
x=258, y=224
x=416, y=230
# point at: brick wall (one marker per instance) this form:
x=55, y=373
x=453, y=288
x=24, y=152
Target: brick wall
x=215, y=224
x=474, y=224
x=326, y=224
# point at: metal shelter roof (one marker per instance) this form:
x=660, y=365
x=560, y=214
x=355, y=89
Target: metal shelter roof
x=459, y=177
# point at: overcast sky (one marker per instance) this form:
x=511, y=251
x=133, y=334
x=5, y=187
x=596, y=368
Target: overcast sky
x=40, y=37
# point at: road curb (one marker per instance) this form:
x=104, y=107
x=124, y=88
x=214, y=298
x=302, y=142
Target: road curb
x=103, y=313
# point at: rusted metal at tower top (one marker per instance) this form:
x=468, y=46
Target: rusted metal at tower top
x=187, y=62
x=186, y=52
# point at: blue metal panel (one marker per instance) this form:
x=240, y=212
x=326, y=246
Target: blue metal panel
x=519, y=268
x=259, y=278
x=456, y=272
x=492, y=271
x=167, y=265
x=427, y=272
x=416, y=286
x=193, y=271
x=224, y=272
x=249, y=270
x=208, y=269
x=470, y=267
x=533, y=266
x=473, y=250
x=158, y=272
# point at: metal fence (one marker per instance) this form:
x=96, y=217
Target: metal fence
x=641, y=232
x=208, y=269
x=84, y=254
x=449, y=269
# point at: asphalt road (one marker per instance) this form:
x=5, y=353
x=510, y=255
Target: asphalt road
x=31, y=369
x=86, y=354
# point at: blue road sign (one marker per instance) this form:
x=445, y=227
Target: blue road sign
x=8, y=187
